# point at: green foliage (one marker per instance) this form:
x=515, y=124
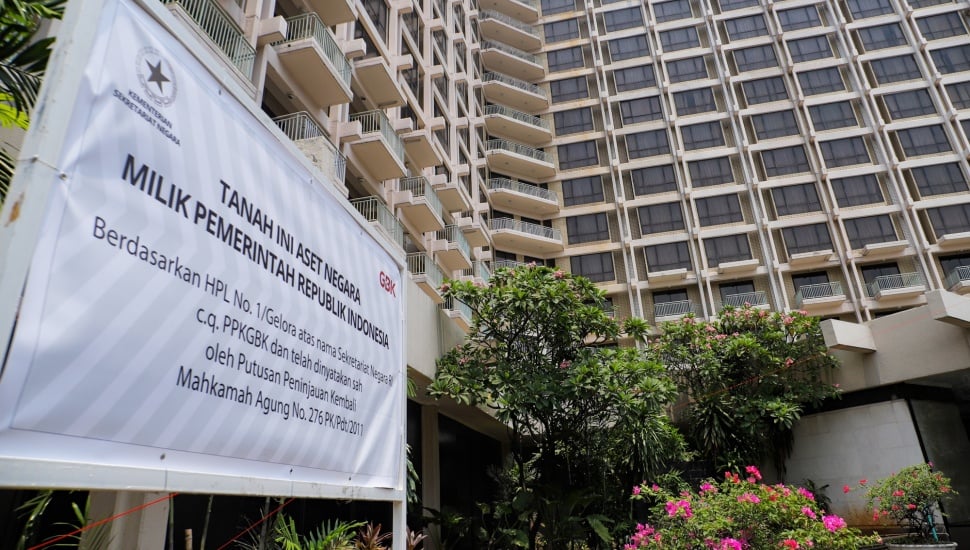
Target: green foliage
x=586, y=421
x=338, y=535
x=748, y=375
x=370, y=538
x=740, y=513
x=909, y=498
x=32, y=511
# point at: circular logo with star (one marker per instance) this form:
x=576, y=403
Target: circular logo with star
x=156, y=76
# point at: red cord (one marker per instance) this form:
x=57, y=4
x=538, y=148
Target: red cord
x=250, y=528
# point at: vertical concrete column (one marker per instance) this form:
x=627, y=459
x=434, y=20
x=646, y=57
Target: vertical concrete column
x=142, y=529
x=430, y=467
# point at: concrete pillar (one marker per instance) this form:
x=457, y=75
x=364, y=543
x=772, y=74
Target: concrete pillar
x=142, y=529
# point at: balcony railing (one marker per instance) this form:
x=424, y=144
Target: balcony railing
x=820, y=290
x=674, y=309
x=478, y=270
x=514, y=82
x=961, y=274
x=309, y=25
x=516, y=115
x=376, y=121
x=526, y=227
x=511, y=264
x=301, y=126
x=519, y=187
x=376, y=211
x=222, y=31
x=419, y=186
x=457, y=305
x=898, y=281
x=420, y=263
x=517, y=148
x=515, y=52
x=453, y=234
x=756, y=298
x=510, y=21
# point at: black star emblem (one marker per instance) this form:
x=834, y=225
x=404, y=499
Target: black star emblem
x=157, y=77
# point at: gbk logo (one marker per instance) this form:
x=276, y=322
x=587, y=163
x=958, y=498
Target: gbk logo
x=388, y=284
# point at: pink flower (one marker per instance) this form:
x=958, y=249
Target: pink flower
x=729, y=544
x=911, y=506
x=753, y=470
x=806, y=493
x=707, y=487
x=674, y=508
x=863, y=481
x=809, y=512
x=655, y=487
x=559, y=274
x=789, y=362
x=565, y=364
x=846, y=489
x=833, y=523
x=898, y=493
x=636, y=489
x=749, y=497
x=444, y=288
x=789, y=543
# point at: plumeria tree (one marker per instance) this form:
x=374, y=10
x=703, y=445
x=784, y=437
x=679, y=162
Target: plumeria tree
x=747, y=376
x=585, y=421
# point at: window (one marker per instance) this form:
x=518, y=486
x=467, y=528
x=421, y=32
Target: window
x=857, y=190
x=795, y=199
x=909, y=104
x=568, y=89
x=735, y=289
x=577, y=155
x=595, y=267
x=959, y=93
x=809, y=49
x=895, y=69
x=927, y=3
x=587, y=228
x=696, y=101
x=746, y=27
x=659, y=218
x=667, y=257
x=569, y=58
x=379, y=13
x=719, y=210
x=647, y=144
x=702, y=136
x=950, y=263
x=821, y=81
x=679, y=39
x=754, y=58
x=799, y=18
x=939, y=179
x=845, y=152
x=550, y=7
x=623, y=19
x=728, y=5
x=683, y=70
x=716, y=171
x=830, y=116
x=573, y=120
x=668, y=296
x=882, y=36
x=944, y=25
x=784, y=161
x=807, y=238
x=948, y=220
x=672, y=11
x=764, y=90
x=628, y=48
x=773, y=125
x=731, y=248
x=815, y=279
x=561, y=30
x=871, y=272
x=862, y=9
x=653, y=179
x=952, y=60
x=582, y=190
x=924, y=140
x=634, y=78
x=640, y=110
x=873, y=229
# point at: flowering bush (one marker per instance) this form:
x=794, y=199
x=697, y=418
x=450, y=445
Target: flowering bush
x=908, y=498
x=740, y=513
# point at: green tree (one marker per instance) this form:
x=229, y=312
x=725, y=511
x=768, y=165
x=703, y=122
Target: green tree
x=585, y=422
x=747, y=377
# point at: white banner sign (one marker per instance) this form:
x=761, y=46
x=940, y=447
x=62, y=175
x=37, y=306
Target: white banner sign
x=197, y=302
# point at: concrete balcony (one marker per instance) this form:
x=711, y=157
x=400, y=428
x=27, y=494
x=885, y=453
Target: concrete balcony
x=334, y=12
x=522, y=197
x=381, y=216
x=417, y=144
x=313, y=142
x=220, y=28
x=474, y=228
x=514, y=62
x=951, y=240
x=959, y=280
x=757, y=299
x=523, y=10
x=426, y=274
x=311, y=55
x=499, y=88
x=525, y=237
x=505, y=121
x=900, y=285
x=377, y=81
x=457, y=311
x=509, y=157
x=374, y=141
x=478, y=273
x=452, y=193
x=452, y=249
x=419, y=204
x=672, y=311
x=819, y=296
x=495, y=25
